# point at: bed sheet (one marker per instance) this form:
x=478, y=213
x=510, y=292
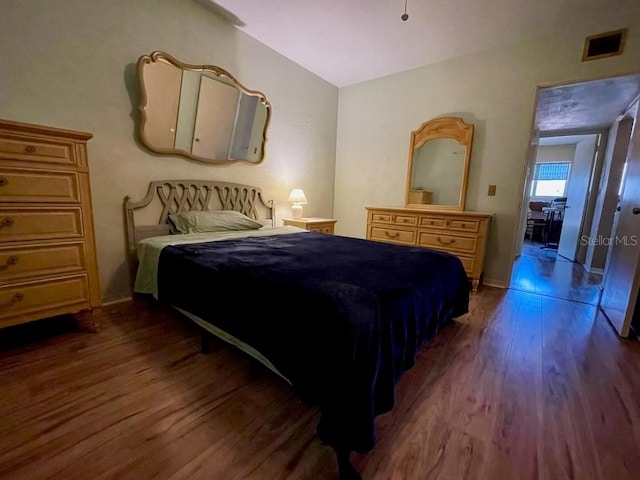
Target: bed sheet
x=148, y=251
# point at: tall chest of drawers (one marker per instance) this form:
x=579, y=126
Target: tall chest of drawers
x=463, y=234
x=47, y=247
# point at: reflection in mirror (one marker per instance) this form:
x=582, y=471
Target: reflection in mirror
x=438, y=169
x=439, y=156
x=200, y=112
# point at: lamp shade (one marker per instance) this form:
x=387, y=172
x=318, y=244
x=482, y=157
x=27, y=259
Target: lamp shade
x=297, y=196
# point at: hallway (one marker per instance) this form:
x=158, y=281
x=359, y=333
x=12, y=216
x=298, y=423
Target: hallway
x=543, y=271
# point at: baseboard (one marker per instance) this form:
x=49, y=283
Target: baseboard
x=113, y=299
x=599, y=271
x=490, y=282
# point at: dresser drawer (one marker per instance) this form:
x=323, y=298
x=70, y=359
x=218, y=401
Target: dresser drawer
x=463, y=224
x=447, y=242
x=409, y=220
x=19, y=224
x=24, y=299
x=395, y=219
x=322, y=229
x=467, y=263
x=37, y=150
x=393, y=235
x=22, y=262
x=32, y=186
x=381, y=217
x=432, y=222
x=312, y=224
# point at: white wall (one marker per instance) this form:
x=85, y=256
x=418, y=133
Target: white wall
x=555, y=153
x=71, y=64
x=577, y=193
x=495, y=90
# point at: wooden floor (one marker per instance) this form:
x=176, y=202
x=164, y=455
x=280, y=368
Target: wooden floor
x=526, y=387
x=543, y=271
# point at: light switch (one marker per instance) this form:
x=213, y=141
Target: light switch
x=492, y=191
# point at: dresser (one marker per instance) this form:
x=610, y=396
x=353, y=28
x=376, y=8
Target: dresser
x=313, y=224
x=47, y=248
x=461, y=233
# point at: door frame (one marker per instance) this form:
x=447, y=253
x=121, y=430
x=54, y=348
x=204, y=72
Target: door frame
x=529, y=172
x=532, y=154
x=525, y=164
x=624, y=329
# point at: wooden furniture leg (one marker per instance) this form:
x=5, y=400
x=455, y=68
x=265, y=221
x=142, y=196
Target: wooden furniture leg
x=345, y=468
x=87, y=320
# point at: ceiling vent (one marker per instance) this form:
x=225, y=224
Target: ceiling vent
x=604, y=45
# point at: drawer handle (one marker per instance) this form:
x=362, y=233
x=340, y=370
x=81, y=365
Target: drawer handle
x=29, y=149
x=17, y=297
x=450, y=242
x=396, y=234
x=447, y=223
x=6, y=222
x=12, y=260
x=3, y=181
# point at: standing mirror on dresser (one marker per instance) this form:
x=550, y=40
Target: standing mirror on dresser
x=439, y=156
x=434, y=214
x=200, y=112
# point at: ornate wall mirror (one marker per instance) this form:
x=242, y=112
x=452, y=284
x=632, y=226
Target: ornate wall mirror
x=439, y=156
x=200, y=112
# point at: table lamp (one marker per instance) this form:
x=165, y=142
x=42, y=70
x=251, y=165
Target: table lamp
x=297, y=197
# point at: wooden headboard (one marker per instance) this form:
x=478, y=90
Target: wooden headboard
x=185, y=195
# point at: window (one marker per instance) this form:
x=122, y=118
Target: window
x=550, y=179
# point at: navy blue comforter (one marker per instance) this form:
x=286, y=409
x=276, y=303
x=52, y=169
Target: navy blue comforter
x=342, y=318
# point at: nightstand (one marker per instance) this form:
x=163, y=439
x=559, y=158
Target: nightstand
x=313, y=224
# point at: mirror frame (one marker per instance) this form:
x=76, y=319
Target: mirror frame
x=159, y=56
x=442, y=127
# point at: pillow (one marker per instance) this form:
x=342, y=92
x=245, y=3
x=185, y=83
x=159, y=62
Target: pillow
x=218, y=221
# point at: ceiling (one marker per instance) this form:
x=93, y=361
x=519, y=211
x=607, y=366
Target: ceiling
x=351, y=41
x=587, y=105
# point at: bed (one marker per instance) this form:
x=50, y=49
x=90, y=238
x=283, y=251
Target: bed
x=358, y=311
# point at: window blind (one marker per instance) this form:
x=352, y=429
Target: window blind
x=552, y=171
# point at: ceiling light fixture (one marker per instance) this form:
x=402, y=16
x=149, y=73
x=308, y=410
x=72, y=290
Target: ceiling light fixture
x=405, y=15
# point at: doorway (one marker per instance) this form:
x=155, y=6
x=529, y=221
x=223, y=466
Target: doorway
x=559, y=203
x=573, y=176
